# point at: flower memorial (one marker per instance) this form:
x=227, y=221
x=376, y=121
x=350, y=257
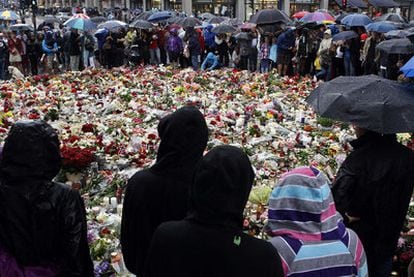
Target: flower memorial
x=107, y=123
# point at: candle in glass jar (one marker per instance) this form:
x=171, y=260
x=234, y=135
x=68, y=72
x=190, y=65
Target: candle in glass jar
x=114, y=203
x=106, y=201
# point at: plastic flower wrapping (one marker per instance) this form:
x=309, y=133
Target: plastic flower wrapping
x=107, y=123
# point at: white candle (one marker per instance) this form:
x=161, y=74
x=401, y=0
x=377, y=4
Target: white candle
x=113, y=202
x=106, y=201
x=119, y=209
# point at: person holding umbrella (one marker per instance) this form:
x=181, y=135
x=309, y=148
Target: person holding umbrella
x=369, y=56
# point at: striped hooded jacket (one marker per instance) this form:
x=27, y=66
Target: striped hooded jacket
x=308, y=232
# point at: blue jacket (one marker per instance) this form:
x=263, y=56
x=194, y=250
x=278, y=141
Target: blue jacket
x=211, y=61
x=47, y=50
x=286, y=40
x=209, y=37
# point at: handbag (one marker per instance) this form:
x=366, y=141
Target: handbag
x=15, y=58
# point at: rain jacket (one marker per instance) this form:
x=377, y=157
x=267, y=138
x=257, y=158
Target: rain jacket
x=375, y=183
x=209, y=37
x=211, y=62
x=286, y=40
x=210, y=241
x=308, y=232
x=43, y=228
x=160, y=193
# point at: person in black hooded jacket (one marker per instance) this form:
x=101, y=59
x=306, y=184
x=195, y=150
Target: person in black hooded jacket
x=210, y=241
x=160, y=193
x=43, y=228
x=372, y=191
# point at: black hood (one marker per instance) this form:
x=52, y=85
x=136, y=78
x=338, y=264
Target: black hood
x=31, y=151
x=222, y=183
x=184, y=136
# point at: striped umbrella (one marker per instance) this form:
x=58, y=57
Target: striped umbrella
x=9, y=15
x=80, y=24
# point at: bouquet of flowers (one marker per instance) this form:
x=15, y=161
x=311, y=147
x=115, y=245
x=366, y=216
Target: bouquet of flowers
x=76, y=159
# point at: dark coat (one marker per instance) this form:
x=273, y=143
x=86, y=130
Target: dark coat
x=74, y=45
x=210, y=241
x=42, y=222
x=160, y=194
x=375, y=183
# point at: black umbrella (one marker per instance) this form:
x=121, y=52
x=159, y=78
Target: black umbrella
x=99, y=19
x=233, y=21
x=396, y=46
x=369, y=101
x=189, y=22
x=224, y=29
x=50, y=19
x=269, y=16
x=113, y=25
x=144, y=15
x=345, y=35
x=391, y=17
x=267, y=29
x=215, y=20
x=141, y=24
x=204, y=16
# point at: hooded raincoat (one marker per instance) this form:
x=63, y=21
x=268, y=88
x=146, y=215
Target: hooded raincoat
x=160, y=193
x=43, y=228
x=210, y=241
x=308, y=232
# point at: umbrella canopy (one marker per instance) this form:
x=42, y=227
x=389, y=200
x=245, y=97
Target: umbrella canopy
x=224, y=29
x=396, y=34
x=159, y=16
x=189, y=22
x=344, y=36
x=267, y=29
x=99, y=19
x=408, y=68
x=80, y=24
x=356, y=19
x=215, y=20
x=50, y=19
x=381, y=27
x=299, y=15
x=242, y=36
x=9, y=15
x=206, y=16
x=233, y=22
x=369, y=101
x=317, y=17
x=144, y=15
x=269, y=16
x=247, y=26
x=392, y=17
x=113, y=25
x=141, y=24
x=339, y=18
x=396, y=46
x=21, y=27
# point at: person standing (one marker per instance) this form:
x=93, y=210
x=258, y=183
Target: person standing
x=33, y=52
x=285, y=47
x=174, y=47
x=3, y=57
x=15, y=47
x=372, y=191
x=194, y=47
x=160, y=193
x=210, y=241
x=74, y=50
x=43, y=223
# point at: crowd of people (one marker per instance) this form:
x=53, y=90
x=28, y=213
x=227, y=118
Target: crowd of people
x=183, y=216
x=306, y=50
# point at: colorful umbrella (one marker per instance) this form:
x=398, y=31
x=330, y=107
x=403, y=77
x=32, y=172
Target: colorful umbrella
x=317, y=17
x=80, y=24
x=356, y=19
x=300, y=14
x=381, y=27
x=9, y=15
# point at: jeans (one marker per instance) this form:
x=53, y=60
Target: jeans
x=155, y=56
x=2, y=69
x=195, y=62
x=349, y=67
x=74, y=63
x=265, y=65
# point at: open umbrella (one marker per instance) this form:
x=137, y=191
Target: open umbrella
x=99, y=19
x=9, y=15
x=160, y=16
x=144, y=15
x=269, y=16
x=233, y=22
x=391, y=17
x=215, y=20
x=50, y=19
x=381, y=27
x=247, y=26
x=396, y=46
x=82, y=24
x=317, y=17
x=21, y=27
x=224, y=29
x=141, y=24
x=242, y=36
x=339, y=18
x=345, y=35
x=206, y=16
x=113, y=25
x=408, y=68
x=189, y=22
x=369, y=101
x=396, y=34
x=299, y=15
x=356, y=19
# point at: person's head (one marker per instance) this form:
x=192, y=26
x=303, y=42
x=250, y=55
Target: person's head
x=31, y=151
x=359, y=132
x=304, y=193
x=221, y=186
x=327, y=34
x=184, y=136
